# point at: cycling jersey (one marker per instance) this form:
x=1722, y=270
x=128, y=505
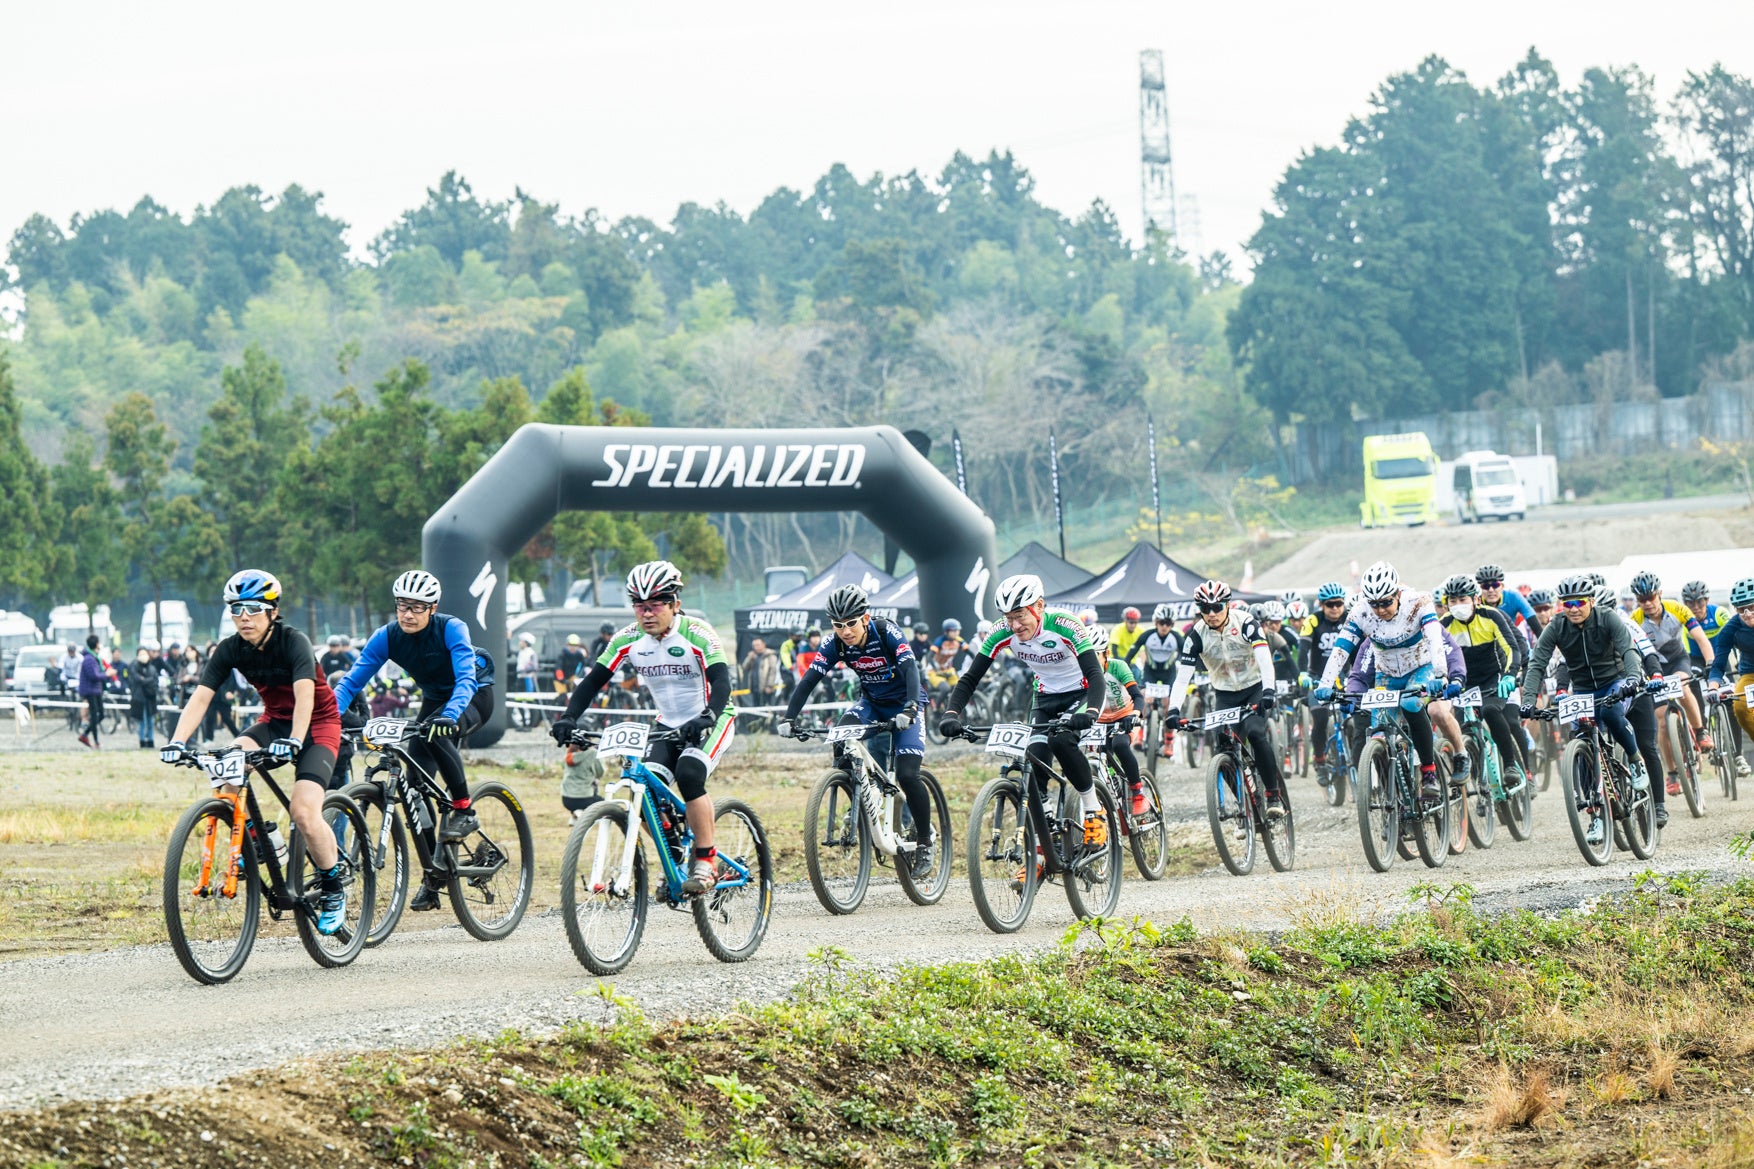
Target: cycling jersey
x=1283, y=647
x=1598, y=652
x=284, y=657
x=1404, y=642
x=1716, y=617
x=1118, y=688
x=1516, y=607
x=889, y=677
x=1640, y=639
x=1052, y=653
x=1736, y=636
x=440, y=659
x=1121, y=639
x=672, y=667
x=1668, y=632
x=1159, y=650
x=1318, y=643
x=1235, y=656
x=1486, y=652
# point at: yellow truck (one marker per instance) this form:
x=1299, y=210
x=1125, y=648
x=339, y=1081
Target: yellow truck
x=1400, y=480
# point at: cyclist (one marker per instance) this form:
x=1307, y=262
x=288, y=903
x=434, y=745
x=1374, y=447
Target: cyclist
x=573, y=661
x=1696, y=595
x=1122, y=637
x=1490, y=578
x=1602, y=659
x=679, y=660
x=456, y=693
x=946, y=651
x=1281, y=641
x=1484, y=635
x=1402, y=626
x=1541, y=602
x=1157, y=651
x=1233, y=650
x=300, y=722
x=1317, y=644
x=889, y=688
x=1068, y=677
x=1120, y=700
x=1670, y=628
x=1736, y=636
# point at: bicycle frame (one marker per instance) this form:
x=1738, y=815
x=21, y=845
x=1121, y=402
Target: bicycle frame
x=247, y=820
x=878, y=797
x=1035, y=799
x=646, y=793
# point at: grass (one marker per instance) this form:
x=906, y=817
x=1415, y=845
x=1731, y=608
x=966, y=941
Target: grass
x=1443, y=1037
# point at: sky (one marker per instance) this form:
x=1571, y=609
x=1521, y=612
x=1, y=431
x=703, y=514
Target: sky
x=634, y=108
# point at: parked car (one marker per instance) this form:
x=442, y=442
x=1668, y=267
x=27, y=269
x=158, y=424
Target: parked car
x=37, y=670
x=550, y=628
x=17, y=630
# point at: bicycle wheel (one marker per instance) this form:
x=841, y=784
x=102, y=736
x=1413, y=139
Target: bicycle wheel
x=1577, y=772
x=1153, y=738
x=1305, y=744
x=604, y=919
x=358, y=879
x=1280, y=838
x=495, y=866
x=388, y=844
x=1150, y=836
x=1723, y=752
x=1227, y=811
x=1000, y=837
x=1690, y=764
x=1093, y=887
x=1517, y=810
x=1379, y=811
x=837, y=845
x=1455, y=808
x=1482, y=812
x=1638, y=818
x=732, y=918
x=211, y=933
x=928, y=890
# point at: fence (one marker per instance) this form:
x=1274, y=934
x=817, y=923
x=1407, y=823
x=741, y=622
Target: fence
x=1721, y=411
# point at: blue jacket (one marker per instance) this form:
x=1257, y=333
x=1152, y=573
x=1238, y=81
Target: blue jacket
x=439, y=658
x=91, y=675
x=1735, y=635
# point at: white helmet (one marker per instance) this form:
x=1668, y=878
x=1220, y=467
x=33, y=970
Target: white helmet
x=1163, y=612
x=1272, y=611
x=415, y=585
x=654, y=580
x=1380, y=582
x=1607, y=598
x=983, y=627
x=1296, y=610
x=1018, y=592
x=1099, y=638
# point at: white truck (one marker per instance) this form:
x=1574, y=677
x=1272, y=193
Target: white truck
x=70, y=624
x=1486, y=485
x=178, y=627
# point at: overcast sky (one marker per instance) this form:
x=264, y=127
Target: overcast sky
x=633, y=108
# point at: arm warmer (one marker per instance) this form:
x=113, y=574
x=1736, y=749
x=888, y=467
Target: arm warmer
x=462, y=668
x=718, y=689
x=371, y=660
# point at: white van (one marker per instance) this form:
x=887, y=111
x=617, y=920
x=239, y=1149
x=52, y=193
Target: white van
x=179, y=627
x=17, y=630
x=69, y=624
x=1487, y=485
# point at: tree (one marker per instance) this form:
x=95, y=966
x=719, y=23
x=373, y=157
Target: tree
x=250, y=432
x=88, y=564
x=453, y=221
x=1717, y=109
x=28, y=549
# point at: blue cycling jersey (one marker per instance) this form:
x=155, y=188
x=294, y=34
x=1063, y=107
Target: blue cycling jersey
x=1736, y=635
x=1517, y=608
x=883, y=665
x=439, y=658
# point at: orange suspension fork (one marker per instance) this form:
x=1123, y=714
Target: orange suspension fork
x=236, y=852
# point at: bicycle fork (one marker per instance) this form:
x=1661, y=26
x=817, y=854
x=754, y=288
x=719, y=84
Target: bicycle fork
x=228, y=887
x=600, y=859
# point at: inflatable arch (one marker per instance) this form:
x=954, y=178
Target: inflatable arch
x=543, y=470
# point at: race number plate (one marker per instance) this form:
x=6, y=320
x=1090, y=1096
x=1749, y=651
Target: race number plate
x=1575, y=706
x=1095, y=738
x=1224, y=718
x=224, y=769
x=1379, y=699
x=625, y=739
x=1469, y=699
x=1748, y=696
x=1156, y=690
x=1671, y=690
x=387, y=732
x=847, y=733
x=1010, y=739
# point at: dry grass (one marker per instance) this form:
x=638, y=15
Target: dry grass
x=1511, y=1106
x=1659, y=1078
x=61, y=824
x=1614, y=1089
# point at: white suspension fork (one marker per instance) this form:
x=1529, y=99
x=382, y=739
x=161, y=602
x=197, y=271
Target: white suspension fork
x=635, y=804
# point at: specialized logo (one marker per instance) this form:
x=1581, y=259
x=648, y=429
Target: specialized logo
x=482, y=587
x=825, y=464
x=976, y=584
x=779, y=619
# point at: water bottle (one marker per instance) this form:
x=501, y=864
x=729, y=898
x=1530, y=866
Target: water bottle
x=277, y=842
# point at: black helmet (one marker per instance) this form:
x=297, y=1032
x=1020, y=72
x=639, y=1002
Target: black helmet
x=1695, y=590
x=1489, y=575
x=606, y=629
x=1540, y=599
x=1577, y=586
x=1460, y=585
x=847, y=602
x=1646, y=584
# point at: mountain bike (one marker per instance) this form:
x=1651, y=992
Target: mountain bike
x=1146, y=830
x=605, y=892
x=1159, y=743
x=1681, y=753
x=1491, y=800
x=1015, y=844
x=1197, y=702
x=1336, y=774
x=220, y=861
x=857, y=809
x=1236, y=798
x=1598, y=784
x=1394, y=817
x=488, y=874
x=1723, y=756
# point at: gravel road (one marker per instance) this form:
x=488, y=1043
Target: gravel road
x=125, y=1021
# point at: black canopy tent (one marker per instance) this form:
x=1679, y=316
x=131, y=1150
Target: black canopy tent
x=1143, y=578
x=803, y=606
x=900, y=601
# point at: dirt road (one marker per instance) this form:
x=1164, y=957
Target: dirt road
x=124, y=1021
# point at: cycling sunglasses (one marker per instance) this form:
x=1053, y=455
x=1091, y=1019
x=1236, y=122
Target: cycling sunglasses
x=1643, y=597
x=1219, y=608
x=1336, y=603
x=1574, y=602
x=853, y=624
x=1384, y=604
x=412, y=606
x=250, y=608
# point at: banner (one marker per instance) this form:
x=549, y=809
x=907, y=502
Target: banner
x=1156, y=500
x=961, y=476
x=1054, y=474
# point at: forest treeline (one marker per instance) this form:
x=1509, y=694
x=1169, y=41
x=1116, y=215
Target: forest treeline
x=1461, y=246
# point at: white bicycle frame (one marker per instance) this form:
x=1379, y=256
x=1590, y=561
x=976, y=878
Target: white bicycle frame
x=877, y=798
x=627, y=740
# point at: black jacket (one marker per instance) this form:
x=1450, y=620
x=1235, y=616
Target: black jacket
x=1598, y=652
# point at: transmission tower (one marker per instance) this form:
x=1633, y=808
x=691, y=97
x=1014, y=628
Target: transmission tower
x=1156, y=175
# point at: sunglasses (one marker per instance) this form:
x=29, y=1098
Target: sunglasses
x=249, y=608
x=1643, y=597
x=1490, y=584
x=1213, y=608
x=1745, y=609
x=1388, y=604
x=853, y=624
x=412, y=606
x=1333, y=604
x=1574, y=602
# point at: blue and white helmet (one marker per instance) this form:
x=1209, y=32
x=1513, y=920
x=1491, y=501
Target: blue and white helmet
x=252, y=584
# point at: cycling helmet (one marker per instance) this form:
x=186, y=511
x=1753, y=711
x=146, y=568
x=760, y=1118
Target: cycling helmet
x=1540, y=599
x=1212, y=592
x=605, y=629
x=847, y=602
x=952, y=625
x=1578, y=585
x=1459, y=585
x=1695, y=590
x=1331, y=591
x=1380, y=582
x=1489, y=575
x=1258, y=610
x=1018, y=592
x=1129, y=614
x=655, y=580
x=335, y=639
x=415, y=585
x=1163, y=612
x=1087, y=615
x=252, y=584
x=1296, y=610
x=1272, y=611
x=1596, y=579
x=1288, y=596
x=1098, y=639
x=983, y=627
x=574, y=639
x=1607, y=598
x=1646, y=584
x=1742, y=592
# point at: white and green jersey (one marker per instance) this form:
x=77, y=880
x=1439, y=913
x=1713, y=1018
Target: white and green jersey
x=1052, y=654
x=672, y=667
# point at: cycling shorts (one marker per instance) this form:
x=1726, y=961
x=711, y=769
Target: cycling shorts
x=316, y=762
x=1164, y=674
x=713, y=745
x=908, y=741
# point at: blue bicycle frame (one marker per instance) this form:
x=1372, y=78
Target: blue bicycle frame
x=647, y=791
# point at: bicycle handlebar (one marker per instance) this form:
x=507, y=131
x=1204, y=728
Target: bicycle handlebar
x=876, y=728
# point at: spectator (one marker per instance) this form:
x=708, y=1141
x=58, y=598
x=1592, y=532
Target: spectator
x=189, y=677
x=70, y=671
x=921, y=645
x=386, y=700
x=143, y=695
x=528, y=663
x=578, y=780
x=117, y=669
x=809, y=651
x=761, y=674
x=91, y=688
x=573, y=663
x=789, y=661
x=219, y=710
x=605, y=634
x=337, y=659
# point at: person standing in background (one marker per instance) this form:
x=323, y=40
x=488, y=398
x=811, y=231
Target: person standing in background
x=91, y=689
x=143, y=695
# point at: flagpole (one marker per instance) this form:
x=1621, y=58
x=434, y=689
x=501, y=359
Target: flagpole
x=956, y=446
x=1156, y=499
x=1054, y=471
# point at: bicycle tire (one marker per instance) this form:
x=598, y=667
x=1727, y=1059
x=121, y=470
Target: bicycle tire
x=931, y=889
x=1576, y=767
x=1152, y=741
x=1305, y=747
x=821, y=850
x=1639, y=824
x=1689, y=761
x=1431, y=831
x=1379, y=814
x=1482, y=809
x=1281, y=853
x=480, y=850
x=1000, y=838
x=1149, y=835
x=223, y=967
x=1227, y=810
x=604, y=819
x=1723, y=753
x=1093, y=882
x=1517, y=810
x=1456, y=809
x=748, y=846
x=333, y=950
x=389, y=857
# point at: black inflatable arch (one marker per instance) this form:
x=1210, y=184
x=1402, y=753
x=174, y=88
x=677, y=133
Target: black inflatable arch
x=543, y=470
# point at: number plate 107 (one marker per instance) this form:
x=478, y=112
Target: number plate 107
x=1010, y=739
